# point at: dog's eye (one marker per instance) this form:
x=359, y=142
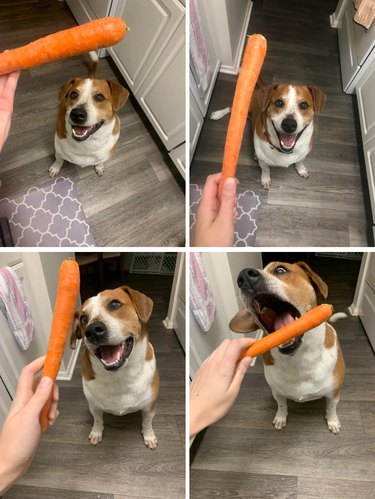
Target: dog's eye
x=280, y=270
x=303, y=105
x=114, y=305
x=83, y=320
x=99, y=97
x=279, y=103
x=73, y=95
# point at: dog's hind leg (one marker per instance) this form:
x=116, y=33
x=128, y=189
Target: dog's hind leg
x=331, y=416
x=279, y=421
x=149, y=436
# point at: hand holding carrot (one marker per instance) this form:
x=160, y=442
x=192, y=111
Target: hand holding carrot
x=215, y=219
x=21, y=431
x=8, y=85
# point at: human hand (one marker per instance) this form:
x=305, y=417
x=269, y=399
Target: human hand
x=217, y=383
x=215, y=219
x=21, y=431
x=8, y=85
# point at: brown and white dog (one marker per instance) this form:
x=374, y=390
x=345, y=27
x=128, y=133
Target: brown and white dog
x=87, y=127
x=282, y=123
x=118, y=364
x=305, y=368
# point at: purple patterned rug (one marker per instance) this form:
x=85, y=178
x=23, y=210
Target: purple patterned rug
x=247, y=206
x=50, y=215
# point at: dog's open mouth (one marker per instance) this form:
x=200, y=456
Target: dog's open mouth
x=114, y=356
x=81, y=133
x=273, y=314
x=288, y=140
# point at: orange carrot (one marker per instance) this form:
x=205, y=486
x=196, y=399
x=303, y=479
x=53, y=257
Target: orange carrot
x=251, y=65
x=74, y=41
x=67, y=293
x=308, y=321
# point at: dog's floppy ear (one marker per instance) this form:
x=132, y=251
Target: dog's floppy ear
x=243, y=322
x=119, y=95
x=65, y=88
x=319, y=98
x=142, y=303
x=314, y=278
x=76, y=333
x=264, y=95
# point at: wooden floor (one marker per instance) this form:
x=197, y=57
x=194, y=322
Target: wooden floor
x=243, y=456
x=328, y=208
x=138, y=201
x=67, y=466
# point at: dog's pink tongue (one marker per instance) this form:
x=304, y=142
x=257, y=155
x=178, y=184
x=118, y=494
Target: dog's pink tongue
x=287, y=140
x=283, y=320
x=110, y=353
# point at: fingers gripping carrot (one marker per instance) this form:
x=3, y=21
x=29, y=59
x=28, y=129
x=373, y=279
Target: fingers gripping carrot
x=74, y=41
x=311, y=319
x=67, y=293
x=251, y=65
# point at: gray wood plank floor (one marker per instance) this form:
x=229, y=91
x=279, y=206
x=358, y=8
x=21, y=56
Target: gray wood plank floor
x=243, y=456
x=328, y=209
x=68, y=466
x=139, y=201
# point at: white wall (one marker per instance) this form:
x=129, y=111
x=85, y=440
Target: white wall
x=222, y=270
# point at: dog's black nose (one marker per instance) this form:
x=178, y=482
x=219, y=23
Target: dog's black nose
x=96, y=331
x=289, y=125
x=247, y=276
x=78, y=115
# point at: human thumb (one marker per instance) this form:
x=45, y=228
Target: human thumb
x=42, y=394
x=228, y=197
x=240, y=372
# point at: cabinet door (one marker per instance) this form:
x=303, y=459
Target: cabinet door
x=348, y=54
x=87, y=10
x=369, y=152
x=366, y=104
x=151, y=23
x=178, y=157
x=196, y=123
x=100, y=7
x=367, y=314
x=162, y=93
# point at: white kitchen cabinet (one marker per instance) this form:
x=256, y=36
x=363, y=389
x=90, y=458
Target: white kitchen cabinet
x=364, y=298
x=38, y=273
x=196, y=123
x=87, y=10
x=369, y=153
x=177, y=155
x=366, y=104
x=151, y=23
x=162, y=93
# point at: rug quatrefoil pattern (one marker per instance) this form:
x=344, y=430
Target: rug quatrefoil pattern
x=50, y=215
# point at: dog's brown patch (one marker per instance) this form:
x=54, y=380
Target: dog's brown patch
x=338, y=372
x=86, y=366
x=268, y=360
x=330, y=337
x=155, y=390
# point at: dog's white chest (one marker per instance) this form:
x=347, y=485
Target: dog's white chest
x=121, y=392
x=308, y=375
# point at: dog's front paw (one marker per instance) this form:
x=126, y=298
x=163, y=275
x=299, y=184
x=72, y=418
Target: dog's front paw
x=150, y=441
x=302, y=171
x=95, y=437
x=54, y=170
x=279, y=422
x=266, y=182
x=334, y=426
x=99, y=169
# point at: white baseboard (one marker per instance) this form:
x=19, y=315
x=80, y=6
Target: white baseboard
x=169, y=324
x=354, y=310
x=66, y=375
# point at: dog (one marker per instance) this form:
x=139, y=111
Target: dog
x=87, y=126
x=308, y=367
x=118, y=364
x=282, y=119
